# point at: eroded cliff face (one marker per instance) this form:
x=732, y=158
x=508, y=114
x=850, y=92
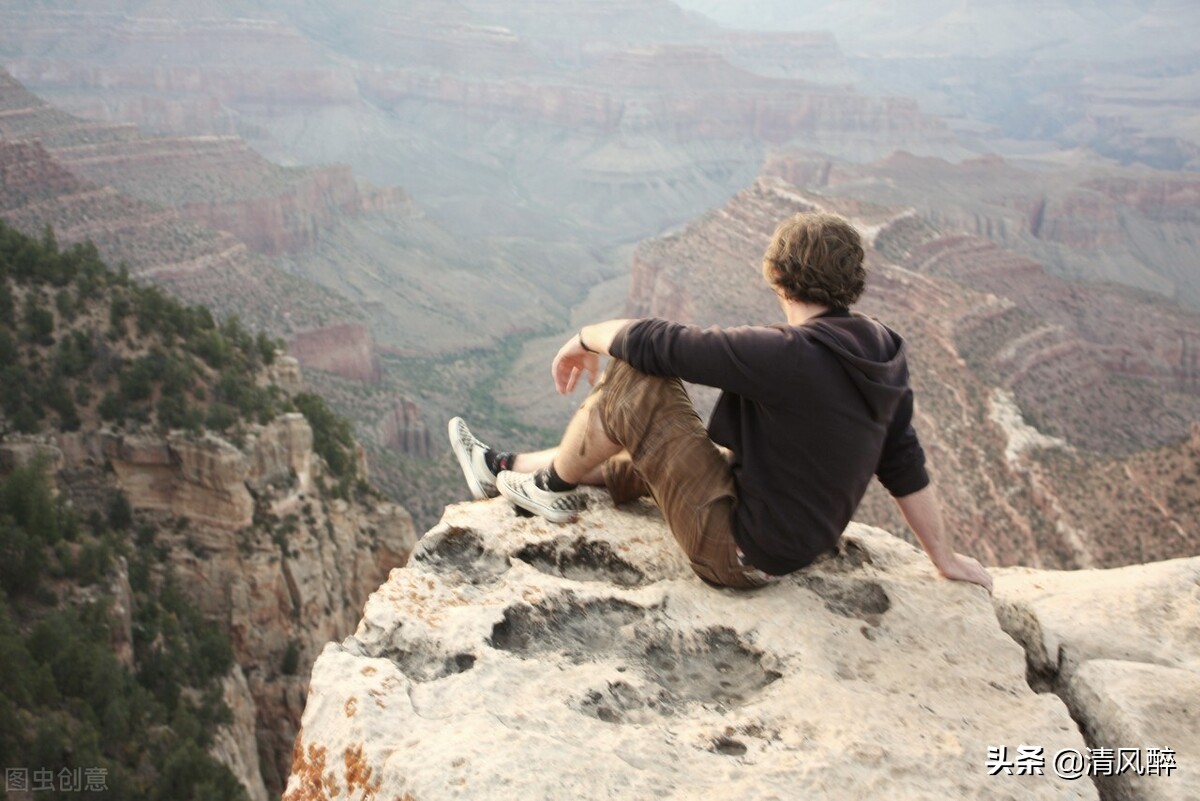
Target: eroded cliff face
x=217, y=182
x=261, y=546
x=404, y=429
x=518, y=658
x=345, y=350
x=1053, y=413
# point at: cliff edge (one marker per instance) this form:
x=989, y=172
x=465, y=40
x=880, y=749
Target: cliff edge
x=513, y=658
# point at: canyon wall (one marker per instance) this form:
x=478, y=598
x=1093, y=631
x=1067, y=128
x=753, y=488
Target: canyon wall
x=260, y=545
x=200, y=264
x=607, y=121
x=403, y=429
x=346, y=350
x=216, y=182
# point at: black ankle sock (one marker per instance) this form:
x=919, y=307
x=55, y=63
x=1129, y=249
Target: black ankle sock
x=549, y=479
x=497, y=461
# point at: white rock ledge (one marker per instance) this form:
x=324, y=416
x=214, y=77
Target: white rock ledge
x=514, y=658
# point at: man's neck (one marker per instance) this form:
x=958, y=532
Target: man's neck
x=799, y=313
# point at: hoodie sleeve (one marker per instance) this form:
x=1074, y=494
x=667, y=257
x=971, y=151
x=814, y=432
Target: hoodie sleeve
x=742, y=360
x=902, y=464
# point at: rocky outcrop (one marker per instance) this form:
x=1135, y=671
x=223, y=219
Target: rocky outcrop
x=203, y=479
x=346, y=350
x=22, y=450
x=403, y=429
x=592, y=652
x=255, y=538
x=1120, y=647
x=234, y=743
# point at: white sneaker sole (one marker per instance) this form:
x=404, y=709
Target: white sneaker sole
x=464, y=460
x=517, y=497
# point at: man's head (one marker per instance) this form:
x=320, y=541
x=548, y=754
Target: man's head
x=816, y=258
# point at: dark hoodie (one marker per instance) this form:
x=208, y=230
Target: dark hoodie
x=810, y=412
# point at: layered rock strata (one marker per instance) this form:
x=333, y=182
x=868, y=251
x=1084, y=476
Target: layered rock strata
x=575, y=122
x=198, y=264
x=216, y=182
x=1131, y=225
x=516, y=658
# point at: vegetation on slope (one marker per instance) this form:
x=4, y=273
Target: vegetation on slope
x=82, y=346
x=79, y=342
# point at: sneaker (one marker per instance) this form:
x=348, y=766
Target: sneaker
x=469, y=452
x=557, y=507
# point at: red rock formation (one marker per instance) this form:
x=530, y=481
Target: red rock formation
x=285, y=222
x=347, y=350
x=1131, y=225
x=403, y=429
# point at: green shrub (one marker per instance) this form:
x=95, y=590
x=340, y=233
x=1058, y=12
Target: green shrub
x=120, y=513
x=111, y=409
x=333, y=439
x=39, y=322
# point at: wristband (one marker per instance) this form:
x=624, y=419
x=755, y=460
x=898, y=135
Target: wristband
x=583, y=344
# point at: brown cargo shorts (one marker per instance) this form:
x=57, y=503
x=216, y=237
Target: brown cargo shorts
x=668, y=455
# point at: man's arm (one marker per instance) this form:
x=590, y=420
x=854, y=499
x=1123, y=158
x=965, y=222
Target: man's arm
x=582, y=352
x=923, y=511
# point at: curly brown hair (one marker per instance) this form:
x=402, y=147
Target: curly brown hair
x=816, y=258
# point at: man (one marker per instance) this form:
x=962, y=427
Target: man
x=809, y=411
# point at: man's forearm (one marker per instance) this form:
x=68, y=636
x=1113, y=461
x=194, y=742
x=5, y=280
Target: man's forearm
x=599, y=337
x=923, y=512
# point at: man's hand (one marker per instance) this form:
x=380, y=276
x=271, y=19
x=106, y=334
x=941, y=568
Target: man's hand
x=923, y=511
x=571, y=362
x=961, y=567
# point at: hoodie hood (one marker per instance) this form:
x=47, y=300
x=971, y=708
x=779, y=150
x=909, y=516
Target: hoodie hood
x=872, y=354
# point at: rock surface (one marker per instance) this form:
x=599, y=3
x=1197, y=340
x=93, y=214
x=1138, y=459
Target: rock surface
x=1123, y=649
x=234, y=743
x=517, y=659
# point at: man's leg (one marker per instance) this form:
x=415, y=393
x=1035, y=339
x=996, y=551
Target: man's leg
x=539, y=460
x=549, y=492
x=475, y=458
x=642, y=432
